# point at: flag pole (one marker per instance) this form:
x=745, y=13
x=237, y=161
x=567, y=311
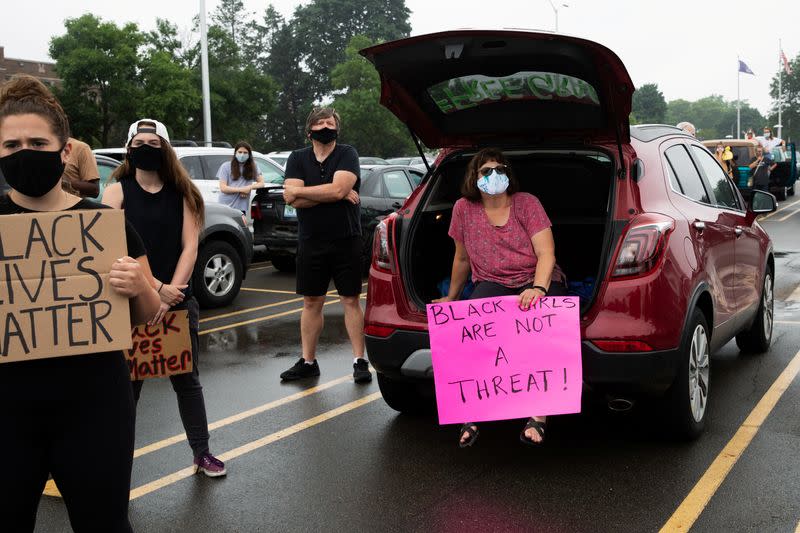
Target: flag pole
x=780, y=87
x=738, y=101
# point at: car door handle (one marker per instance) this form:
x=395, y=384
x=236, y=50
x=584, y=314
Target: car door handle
x=214, y=190
x=699, y=225
x=738, y=231
x=397, y=205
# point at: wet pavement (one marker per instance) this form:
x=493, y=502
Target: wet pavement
x=331, y=455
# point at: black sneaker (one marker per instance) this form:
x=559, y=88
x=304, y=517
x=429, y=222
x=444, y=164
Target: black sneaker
x=361, y=373
x=301, y=370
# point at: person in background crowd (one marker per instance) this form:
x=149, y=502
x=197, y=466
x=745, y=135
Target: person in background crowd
x=503, y=237
x=81, y=171
x=761, y=169
x=688, y=127
x=72, y=417
x=238, y=177
x=167, y=210
x=322, y=183
x=750, y=135
x=770, y=143
x=722, y=158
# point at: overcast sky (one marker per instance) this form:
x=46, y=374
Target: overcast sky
x=688, y=48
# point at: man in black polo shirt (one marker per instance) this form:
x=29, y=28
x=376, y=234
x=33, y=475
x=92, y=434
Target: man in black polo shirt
x=322, y=183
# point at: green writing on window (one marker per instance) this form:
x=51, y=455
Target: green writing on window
x=470, y=91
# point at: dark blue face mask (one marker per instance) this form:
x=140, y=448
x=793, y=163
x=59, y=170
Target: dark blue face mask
x=33, y=172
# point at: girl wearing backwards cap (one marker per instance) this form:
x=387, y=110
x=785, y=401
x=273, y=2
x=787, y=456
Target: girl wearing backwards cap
x=165, y=207
x=72, y=417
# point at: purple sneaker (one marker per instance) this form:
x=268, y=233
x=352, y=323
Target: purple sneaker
x=209, y=465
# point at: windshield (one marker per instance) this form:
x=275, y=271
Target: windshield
x=466, y=92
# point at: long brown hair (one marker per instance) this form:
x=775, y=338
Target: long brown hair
x=469, y=188
x=171, y=173
x=27, y=95
x=250, y=172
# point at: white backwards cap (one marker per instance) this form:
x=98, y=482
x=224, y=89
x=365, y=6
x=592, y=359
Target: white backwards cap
x=142, y=126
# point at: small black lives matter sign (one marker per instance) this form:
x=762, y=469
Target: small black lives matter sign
x=55, y=299
x=163, y=349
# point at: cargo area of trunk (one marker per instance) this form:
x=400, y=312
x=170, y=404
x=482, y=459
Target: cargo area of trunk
x=575, y=189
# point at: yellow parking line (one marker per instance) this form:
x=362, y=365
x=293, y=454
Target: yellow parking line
x=250, y=310
x=260, y=268
x=276, y=291
x=787, y=216
x=779, y=210
x=261, y=319
x=244, y=414
x=789, y=322
x=689, y=510
x=797, y=529
x=184, y=473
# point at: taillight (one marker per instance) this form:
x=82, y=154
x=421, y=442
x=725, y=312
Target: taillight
x=622, y=346
x=378, y=331
x=255, y=210
x=382, y=256
x=643, y=246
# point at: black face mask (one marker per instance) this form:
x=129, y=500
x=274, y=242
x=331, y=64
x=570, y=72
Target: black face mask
x=325, y=135
x=32, y=172
x=145, y=157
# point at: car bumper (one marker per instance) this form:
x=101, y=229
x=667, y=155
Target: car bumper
x=406, y=355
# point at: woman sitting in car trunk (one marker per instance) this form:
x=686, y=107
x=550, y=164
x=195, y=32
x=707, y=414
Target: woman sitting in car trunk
x=503, y=237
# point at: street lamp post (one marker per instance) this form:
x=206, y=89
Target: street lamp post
x=204, y=74
x=555, y=10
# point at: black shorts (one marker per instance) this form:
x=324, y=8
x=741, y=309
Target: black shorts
x=318, y=261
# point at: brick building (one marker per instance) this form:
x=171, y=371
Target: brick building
x=9, y=67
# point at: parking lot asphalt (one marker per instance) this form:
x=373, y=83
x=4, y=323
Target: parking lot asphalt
x=331, y=455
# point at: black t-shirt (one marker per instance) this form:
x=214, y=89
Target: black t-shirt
x=760, y=172
x=79, y=364
x=330, y=220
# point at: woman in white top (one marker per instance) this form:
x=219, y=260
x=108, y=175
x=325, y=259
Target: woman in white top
x=238, y=177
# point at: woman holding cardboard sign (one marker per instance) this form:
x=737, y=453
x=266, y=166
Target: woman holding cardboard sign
x=503, y=237
x=167, y=210
x=69, y=416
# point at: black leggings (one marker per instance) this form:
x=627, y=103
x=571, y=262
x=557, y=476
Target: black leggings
x=72, y=417
x=191, y=403
x=485, y=289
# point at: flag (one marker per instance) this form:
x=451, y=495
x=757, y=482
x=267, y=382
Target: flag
x=744, y=68
x=786, y=67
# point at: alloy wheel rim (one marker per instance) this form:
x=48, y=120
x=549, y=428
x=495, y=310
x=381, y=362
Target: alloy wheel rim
x=698, y=372
x=219, y=275
x=768, y=305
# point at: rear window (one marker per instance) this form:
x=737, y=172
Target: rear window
x=465, y=92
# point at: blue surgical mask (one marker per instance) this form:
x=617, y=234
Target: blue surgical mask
x=494, y=183
x=241, y=158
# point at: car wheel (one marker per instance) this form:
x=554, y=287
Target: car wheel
x=758, y=338
x=404, y=396
x=217, y=274
x=790, y=192
x=284, y=263
x=781, y=193
x=687, y=399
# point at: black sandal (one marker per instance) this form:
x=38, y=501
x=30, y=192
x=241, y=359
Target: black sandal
x=472, y=434
x=533, y=424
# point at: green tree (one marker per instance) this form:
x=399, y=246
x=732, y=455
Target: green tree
x=99, y=64
x=366, y=124
x=170, y=93
x=325, y=27
x=713, y=116
x=232, y=18
x=261, y=37
x=649, y=106
x=791, y=101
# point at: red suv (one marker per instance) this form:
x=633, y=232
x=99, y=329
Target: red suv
x=667, y=256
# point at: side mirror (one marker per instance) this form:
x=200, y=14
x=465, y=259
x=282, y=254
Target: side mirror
x=762, y=202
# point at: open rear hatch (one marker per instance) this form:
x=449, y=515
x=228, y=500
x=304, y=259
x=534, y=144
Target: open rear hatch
x=481, y=87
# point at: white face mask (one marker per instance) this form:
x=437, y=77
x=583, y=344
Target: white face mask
x=241, y=158
x=494, y=183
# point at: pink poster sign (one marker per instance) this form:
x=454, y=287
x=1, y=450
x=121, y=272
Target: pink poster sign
x=494, y=361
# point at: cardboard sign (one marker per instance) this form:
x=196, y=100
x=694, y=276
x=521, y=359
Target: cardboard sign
x=493, y=361
x=55, y=299
x=161, y=350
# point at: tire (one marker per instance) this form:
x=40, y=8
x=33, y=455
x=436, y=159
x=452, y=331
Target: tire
x=686, y=401
x=284, y=263
x=758, y=338
x=217, y=274
x=405, y=397
x=781, y=194
x=790, y=192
